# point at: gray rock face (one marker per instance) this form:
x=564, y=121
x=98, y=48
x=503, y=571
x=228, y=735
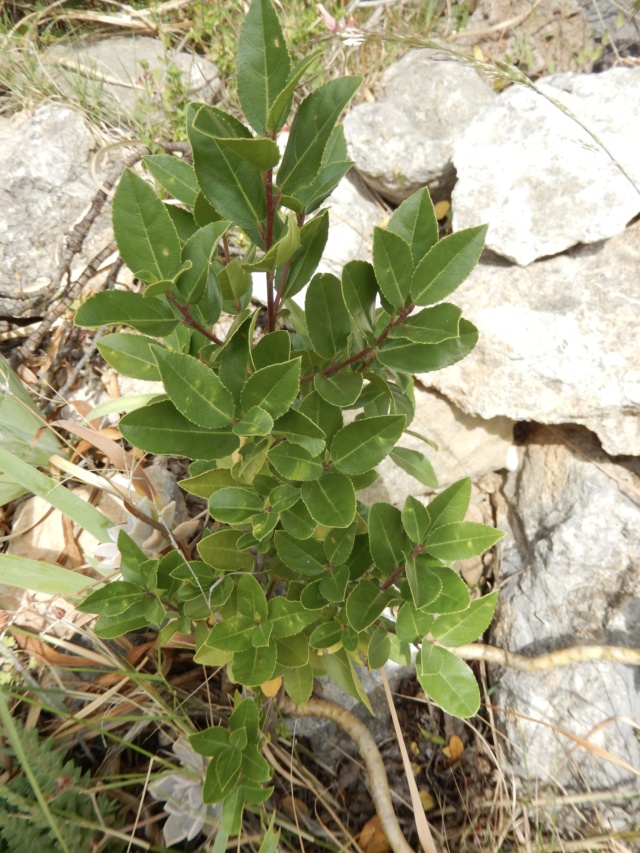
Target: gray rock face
x=45, y=187
x=538, y=179
x=131, y=71
x=571, y=574
x=404, y=141
x=557, y=342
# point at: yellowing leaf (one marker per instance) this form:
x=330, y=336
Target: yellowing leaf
x=455, y=748
x=372, y=838
x=428, y=803
x=442, y=208
x=271, y=687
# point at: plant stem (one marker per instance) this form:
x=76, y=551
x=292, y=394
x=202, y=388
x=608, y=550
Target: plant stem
x=189, y=320
x=378, y=784
x=549, y=660
x=334, y=368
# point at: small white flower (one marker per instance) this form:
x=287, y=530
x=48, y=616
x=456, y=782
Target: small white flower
x=182, y=795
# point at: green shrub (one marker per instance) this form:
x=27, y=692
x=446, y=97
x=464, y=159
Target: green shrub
x=295, y=577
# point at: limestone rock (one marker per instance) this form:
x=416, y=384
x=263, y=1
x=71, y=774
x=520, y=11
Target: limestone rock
x=131, y=72
x=405, y=140
x=557, y=342
x=45, y=187
x=570, y=575
x=538, y=178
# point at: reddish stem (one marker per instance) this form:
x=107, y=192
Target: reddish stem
x=188, y=320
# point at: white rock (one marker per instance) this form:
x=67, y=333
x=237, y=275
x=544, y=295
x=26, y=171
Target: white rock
x=405, y=140
x=570, y=575
x=558, y=342
x=538, y=178
x=131, y=71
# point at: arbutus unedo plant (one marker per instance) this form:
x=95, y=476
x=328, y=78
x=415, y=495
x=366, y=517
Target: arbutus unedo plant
x=294, y=577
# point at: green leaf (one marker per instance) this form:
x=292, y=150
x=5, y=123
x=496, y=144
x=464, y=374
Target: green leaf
x=431, y=325
x=338, y=545
x=304, y=556
x=310, y=133
x=339, y=389
x=416, y=464
x=297, y=521
x=222, y=775
x=273, y=388
x=234, y=281
x=412, y=624
x=264, y=523
x=457, y=629
x=328, y=322
x=136, y=617
x=313, y=239
x=263, y=64
x=112, y=599
x=393, y=266
x=298, y=684
x=151, y=316
x=233, y=505
x=254, y=766
x=160, y=428
x=273, y=348
x=201, y=250
x=461, y=540
x=251, y=598
x=203, y=212
x=231, y=184
x=205, y=484
x=365, y=603
x=361, y=445
x=448, y=681
x=175, y=176
x=283, y=497
x=451, y=504
x=281, y=106
x=282, y=251
x=294, y=463
x=252, y=667
x=299, y=429
x=334, y=584
x=259, y=152
x=246, y=715
x=327, y=416
x=326, y=636
x=415, y=519
x=454, y=593
x=255, y=422
x=447, y=265
x=195, y=390
x=293, y=651
x=211, y=741
x=289, y=617
x=130, y=355
x=425, y=583
x=405, y=355
x=359, y=291
x=334, y=167
x=379, y=648
x=183, y=221
x=312, y=599
x=144, y=232
x=24, y=573
x=331, y=499
x=415, y=221
x=340, y=668
x=387, y=540
x=232, y=635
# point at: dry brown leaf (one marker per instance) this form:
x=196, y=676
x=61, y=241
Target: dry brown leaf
x=455, y=748
x=372, y=838
x=428, y=803
x=293, y=806
x=271, y=687
x=442, y=208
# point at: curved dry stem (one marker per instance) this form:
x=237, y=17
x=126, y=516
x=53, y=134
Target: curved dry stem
x=550, y=660
x=378, y=784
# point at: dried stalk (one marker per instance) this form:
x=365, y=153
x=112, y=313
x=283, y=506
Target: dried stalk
x=550, y=660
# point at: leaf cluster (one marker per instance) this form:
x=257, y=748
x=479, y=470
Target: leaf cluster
x=295, y=576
